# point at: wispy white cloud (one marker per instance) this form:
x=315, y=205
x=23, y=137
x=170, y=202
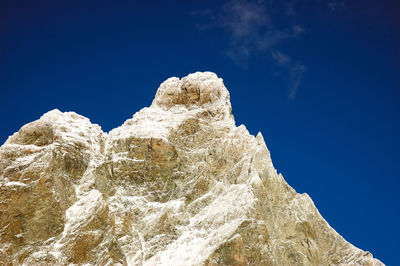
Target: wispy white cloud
x=295, y=70
x=243, y=19
x=251, y=29
x=296, y=76
x=280, y=58
x=252, y=32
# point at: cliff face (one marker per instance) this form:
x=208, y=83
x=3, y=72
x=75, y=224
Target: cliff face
x=177, y=184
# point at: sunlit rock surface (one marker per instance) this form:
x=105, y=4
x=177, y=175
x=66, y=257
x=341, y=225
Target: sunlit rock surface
x=177, y=184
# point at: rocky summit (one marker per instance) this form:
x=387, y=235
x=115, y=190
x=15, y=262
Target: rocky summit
x=177, y=184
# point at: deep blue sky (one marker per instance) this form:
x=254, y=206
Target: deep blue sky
x=319, y=79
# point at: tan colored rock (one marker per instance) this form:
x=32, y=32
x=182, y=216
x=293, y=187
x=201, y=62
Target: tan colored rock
x=177, y=184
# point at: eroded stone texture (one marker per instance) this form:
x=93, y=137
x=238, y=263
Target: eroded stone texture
x=177, y=184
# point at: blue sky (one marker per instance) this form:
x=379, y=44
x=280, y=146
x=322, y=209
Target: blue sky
x=320, y=80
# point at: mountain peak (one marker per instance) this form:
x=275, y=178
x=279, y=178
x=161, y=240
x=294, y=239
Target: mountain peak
x=197, y=90
x=177, y=184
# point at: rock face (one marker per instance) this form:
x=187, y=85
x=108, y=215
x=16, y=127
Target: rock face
x=177, y=184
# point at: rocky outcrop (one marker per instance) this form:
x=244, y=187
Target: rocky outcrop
x=177, y=184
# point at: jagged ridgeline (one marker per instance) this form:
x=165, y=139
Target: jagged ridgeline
x=177, y=184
